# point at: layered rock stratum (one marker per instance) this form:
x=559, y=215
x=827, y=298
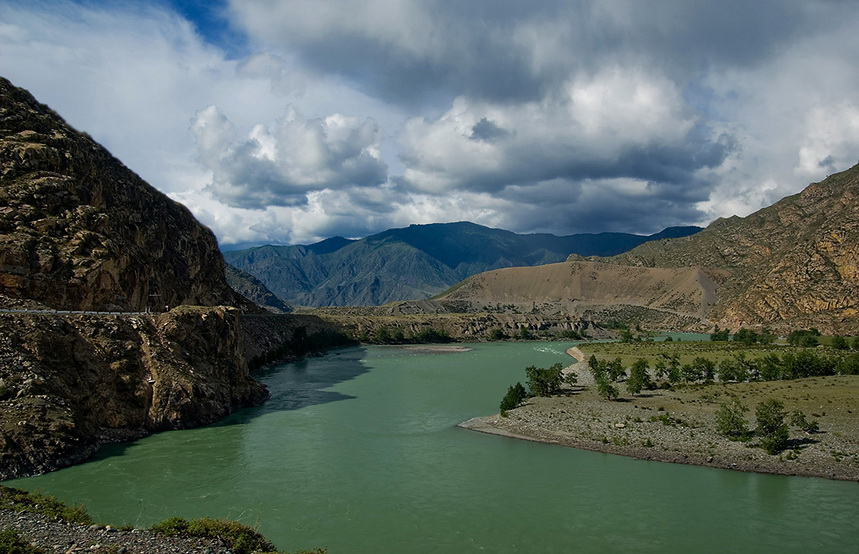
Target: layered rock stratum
x=81, y=232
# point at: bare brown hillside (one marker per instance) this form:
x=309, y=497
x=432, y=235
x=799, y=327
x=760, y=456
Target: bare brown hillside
x=790, y=265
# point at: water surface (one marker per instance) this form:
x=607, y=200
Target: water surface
x=358, y=451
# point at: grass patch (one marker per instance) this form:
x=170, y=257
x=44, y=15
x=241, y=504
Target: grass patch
x=38, y=503
x=12, y=543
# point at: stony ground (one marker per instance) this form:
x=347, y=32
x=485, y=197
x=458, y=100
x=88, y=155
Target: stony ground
x=54, y=536
x=679, y=426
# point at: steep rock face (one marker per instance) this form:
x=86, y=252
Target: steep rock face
x=79, y=230
x=791, y=265
x=68, y=383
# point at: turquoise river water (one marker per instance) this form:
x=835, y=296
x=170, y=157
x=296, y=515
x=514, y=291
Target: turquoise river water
x=357, y=451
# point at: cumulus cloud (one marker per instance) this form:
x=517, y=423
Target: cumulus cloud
x=281, y=163
x=296, y=120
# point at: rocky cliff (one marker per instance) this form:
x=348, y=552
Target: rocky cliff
x=80, y=231
x=791, y=265
x=69, y=383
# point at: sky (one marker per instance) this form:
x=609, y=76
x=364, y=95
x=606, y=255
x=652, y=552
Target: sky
x=291, y=121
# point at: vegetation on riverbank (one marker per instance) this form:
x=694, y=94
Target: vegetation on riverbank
x=689, y=402
x=237, y=537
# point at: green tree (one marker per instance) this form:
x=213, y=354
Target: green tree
x=849, y=365
x=524, y=334
x=839, y=343
x=515, y=395
x=771, y=426
x=382, y=334
x=731, y=420
x=605, y=388
x=615, y=369
x=705, y=368
x=544, y=382
x=746, y=336
x=798, y=419
x=720, y=334
x=855, y=343
x=497, y=334
x=638, y=377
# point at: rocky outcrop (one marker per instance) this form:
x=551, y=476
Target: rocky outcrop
x=79, y=230
x=791, y=265
x=71, y=382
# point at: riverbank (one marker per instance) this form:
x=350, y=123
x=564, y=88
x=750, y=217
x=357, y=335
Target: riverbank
x=679, y=426
x=58, y=536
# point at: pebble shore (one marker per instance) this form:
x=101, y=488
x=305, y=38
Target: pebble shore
x=55, y=536
x=679, y=426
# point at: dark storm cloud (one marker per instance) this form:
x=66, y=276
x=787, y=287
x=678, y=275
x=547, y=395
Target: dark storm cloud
x=513, y=51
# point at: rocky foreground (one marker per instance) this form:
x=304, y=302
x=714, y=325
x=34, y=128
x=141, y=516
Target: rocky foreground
x=679, y=426
x=56, y=536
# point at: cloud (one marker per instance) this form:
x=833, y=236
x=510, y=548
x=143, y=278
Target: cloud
x=279, y=164
x=296, y=120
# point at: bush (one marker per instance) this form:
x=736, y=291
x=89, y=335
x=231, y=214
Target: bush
x=38, y=503
x=240, y=538
x=515, y=395
x=720, y=335
x=731, y=420
x=544, y=382
x=746, y=336
x=12, y=543
x=771, y=427
x=605, y=388
x=839, y=343
x=638, y=377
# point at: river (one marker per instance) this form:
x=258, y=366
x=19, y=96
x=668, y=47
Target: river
x=357, y=451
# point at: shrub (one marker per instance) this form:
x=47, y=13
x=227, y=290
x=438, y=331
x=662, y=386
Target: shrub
x=12, y=543
x=771, y=426
x=240, y=538
x=720, y=334
x=544, y=382
x=839, y=343
x=515, y=395
x=605, y=388
x=798, y=419
x=36, y=502
x=638, y=377
x=731, y=420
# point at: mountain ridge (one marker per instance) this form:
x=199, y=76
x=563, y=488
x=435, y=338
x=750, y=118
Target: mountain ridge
x=789, y=265
x=412, y=263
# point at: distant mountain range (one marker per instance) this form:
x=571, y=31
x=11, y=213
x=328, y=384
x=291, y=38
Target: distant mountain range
x=415, y=262
x=790, y=265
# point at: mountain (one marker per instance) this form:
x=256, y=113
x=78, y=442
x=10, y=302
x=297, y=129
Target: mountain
x=254, y=290
x=81, y=232
x=415, y=262
x=790, y=265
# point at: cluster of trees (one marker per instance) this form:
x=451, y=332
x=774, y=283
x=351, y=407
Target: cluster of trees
x=386, y=335
x=744, y=336
x=771, y=423
x=739, y=368
x=541, y=382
